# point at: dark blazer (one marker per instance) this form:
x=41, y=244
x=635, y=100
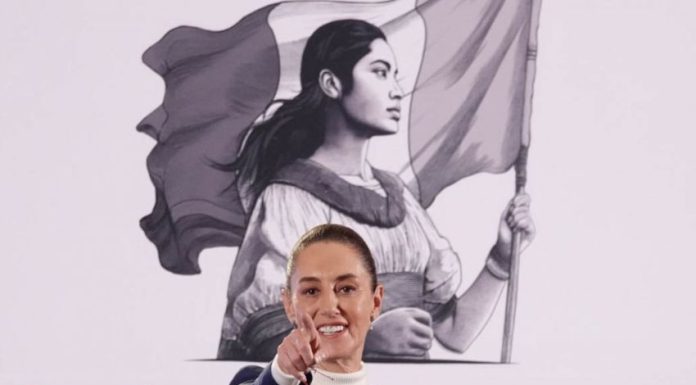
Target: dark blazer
x=256, y=375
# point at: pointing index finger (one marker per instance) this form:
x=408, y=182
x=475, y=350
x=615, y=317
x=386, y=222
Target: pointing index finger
x=308, y=329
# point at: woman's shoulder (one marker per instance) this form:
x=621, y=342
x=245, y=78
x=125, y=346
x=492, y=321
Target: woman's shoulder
x=288, y=199
x=363, y=204
x=280, y=190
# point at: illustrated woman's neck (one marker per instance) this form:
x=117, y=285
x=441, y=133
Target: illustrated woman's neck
x=344, y=150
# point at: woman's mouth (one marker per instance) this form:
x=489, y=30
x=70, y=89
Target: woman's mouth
x=395, y=113
x=330, y=330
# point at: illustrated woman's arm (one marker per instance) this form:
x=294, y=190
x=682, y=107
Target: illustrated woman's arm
x=471, y=311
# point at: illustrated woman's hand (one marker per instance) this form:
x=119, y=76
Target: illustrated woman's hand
x=299, y=350
x=516, y=217
x=402, y=332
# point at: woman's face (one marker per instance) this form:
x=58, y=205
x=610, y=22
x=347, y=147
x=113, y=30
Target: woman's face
x=332, y=286
x=374, y=102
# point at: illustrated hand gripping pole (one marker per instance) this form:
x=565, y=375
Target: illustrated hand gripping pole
x=520, y=182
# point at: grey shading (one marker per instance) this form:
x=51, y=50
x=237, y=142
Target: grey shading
x=475, y=84
x=215, y=88
x=219, y=83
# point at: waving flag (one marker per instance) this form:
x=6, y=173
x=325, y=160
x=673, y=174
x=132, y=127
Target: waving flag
x=464, y=65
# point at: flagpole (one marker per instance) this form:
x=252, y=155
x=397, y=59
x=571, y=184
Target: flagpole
x=520, y=182
x=513, y=282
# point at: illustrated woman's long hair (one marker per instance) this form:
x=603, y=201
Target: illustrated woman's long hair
x=297, y=127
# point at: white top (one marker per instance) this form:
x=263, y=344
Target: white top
x=320, y=377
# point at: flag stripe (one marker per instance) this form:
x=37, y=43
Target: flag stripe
x=217, y=83
x=467, y=109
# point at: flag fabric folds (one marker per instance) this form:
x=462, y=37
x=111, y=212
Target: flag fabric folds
x=467, y=111
x=463, y=66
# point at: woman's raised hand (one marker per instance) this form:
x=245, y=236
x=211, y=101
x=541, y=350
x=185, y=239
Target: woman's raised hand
x=298, y=351
x=401, y=332
x=516, y=217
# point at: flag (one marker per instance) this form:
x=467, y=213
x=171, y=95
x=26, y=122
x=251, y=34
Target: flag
x=463, y=64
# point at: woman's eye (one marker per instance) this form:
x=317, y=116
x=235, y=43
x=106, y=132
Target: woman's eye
x=382, y=73
x=310, y=291
x=346, y=289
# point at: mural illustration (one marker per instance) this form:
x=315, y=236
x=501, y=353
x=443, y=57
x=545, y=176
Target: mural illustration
x=119, y=245
x=264, y=134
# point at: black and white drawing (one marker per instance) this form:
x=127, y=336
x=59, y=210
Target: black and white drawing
x=605, y=289
x=264, y=133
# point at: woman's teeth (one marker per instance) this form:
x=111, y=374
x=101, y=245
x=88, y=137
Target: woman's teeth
x=333, y=329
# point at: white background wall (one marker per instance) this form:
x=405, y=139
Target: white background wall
x=607, y=287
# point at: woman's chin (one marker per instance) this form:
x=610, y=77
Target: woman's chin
x=336, y=346
x=388, y=129
x=384, y=128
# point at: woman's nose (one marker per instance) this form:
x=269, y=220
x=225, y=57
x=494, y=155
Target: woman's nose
x=328, y=304
x=396, y=92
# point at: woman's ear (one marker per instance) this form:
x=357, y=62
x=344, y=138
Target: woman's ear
x=330, y=84
x=287, y=305
x=377, y=298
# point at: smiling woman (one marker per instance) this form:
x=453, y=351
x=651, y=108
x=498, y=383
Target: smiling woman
x=331, y=297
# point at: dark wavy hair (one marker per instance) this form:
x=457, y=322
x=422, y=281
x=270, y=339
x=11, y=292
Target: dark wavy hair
x=297, y=127
x=334, y=233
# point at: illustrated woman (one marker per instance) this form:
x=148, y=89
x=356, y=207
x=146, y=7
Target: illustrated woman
x=306, y=165
x=332, y=296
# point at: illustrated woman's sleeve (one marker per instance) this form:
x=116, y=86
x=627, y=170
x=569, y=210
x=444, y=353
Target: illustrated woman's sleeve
x=443, y=269
x=255, y=314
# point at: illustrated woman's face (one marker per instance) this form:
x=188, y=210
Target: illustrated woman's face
x=332, y=286
x=374, y=102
